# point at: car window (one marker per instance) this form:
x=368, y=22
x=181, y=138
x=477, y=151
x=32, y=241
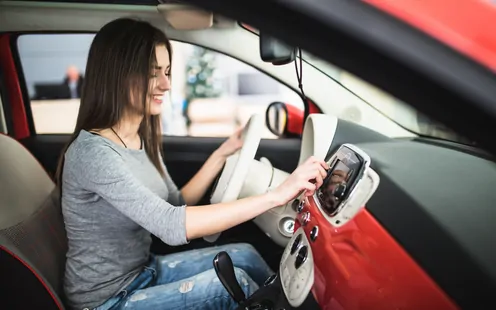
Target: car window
x=391, y=107
x=212, y=94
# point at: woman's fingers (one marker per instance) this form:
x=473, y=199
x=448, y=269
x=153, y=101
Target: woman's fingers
x=309, y=188
x=313, y=160
x=323, y=172
x=312, y=174
x=317, y=172
x=318, y=178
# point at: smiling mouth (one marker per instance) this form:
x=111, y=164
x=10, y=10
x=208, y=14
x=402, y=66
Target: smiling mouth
x=158, y=98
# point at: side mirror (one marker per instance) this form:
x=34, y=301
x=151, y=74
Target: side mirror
x=276, y=118
x=284, y=120
x=275, y=51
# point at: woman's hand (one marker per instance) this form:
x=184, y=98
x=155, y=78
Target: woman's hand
x=307, y=177
x=231, y=145
x=196, y=188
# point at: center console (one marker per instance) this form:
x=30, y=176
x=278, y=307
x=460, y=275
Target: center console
x=296, y=269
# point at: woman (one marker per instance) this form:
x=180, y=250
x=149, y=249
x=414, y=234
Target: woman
x=116, y=190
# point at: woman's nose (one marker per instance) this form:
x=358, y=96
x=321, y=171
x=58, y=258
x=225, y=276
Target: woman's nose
x=164, y=83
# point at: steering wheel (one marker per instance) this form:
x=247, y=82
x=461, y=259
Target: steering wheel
x=230, y=182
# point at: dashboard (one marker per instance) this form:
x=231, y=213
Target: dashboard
x=397, y=224
x=437, y=203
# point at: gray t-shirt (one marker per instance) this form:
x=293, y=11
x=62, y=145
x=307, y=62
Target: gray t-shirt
x=112, y=199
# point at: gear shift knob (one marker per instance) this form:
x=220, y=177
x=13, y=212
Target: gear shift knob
x=224, y=268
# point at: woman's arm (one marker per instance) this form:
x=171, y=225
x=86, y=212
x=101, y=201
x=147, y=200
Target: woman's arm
x=194, y=190
x=210, y=219
x=101, y=170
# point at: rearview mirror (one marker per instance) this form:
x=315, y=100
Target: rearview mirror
x=275, y=51
x=276, y=118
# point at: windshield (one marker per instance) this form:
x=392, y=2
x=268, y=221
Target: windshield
x=391, y=107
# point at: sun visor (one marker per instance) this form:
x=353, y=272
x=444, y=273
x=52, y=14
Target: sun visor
x=185, y=17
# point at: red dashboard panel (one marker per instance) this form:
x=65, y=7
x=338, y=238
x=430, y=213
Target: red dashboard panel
x=360, y=266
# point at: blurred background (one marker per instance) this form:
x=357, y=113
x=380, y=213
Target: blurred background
x=212, y=94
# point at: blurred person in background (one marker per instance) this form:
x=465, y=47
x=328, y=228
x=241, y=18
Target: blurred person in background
x=73, y=83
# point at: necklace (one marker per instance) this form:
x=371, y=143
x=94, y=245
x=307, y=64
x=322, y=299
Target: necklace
x=141, y=140
x=118, y=137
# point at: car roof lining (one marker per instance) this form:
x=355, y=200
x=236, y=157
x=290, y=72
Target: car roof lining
x=178, y=16
x=127, y=2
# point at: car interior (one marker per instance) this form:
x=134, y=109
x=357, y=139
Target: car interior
x=403, y=220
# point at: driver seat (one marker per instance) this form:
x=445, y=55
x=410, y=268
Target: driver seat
x=33, y=242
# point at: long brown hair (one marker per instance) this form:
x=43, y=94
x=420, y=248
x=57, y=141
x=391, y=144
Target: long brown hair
x=117, y=75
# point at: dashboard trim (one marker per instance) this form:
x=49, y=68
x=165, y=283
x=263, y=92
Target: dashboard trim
x=297, y=282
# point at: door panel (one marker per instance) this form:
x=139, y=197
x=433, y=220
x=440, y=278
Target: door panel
x=183, y=155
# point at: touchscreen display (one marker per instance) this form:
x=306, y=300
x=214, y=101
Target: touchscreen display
x=345, y=167
x=334, y=187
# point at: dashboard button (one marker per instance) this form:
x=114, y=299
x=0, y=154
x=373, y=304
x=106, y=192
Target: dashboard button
x=301, y=257
x=301, y=205
x=314, y=233
x=296, y=244
x=297, y=205
x=305, y=218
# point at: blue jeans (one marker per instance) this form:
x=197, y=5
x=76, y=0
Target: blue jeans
x=187, y=280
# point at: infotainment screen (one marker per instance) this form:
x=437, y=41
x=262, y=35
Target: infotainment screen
x=344, y=167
